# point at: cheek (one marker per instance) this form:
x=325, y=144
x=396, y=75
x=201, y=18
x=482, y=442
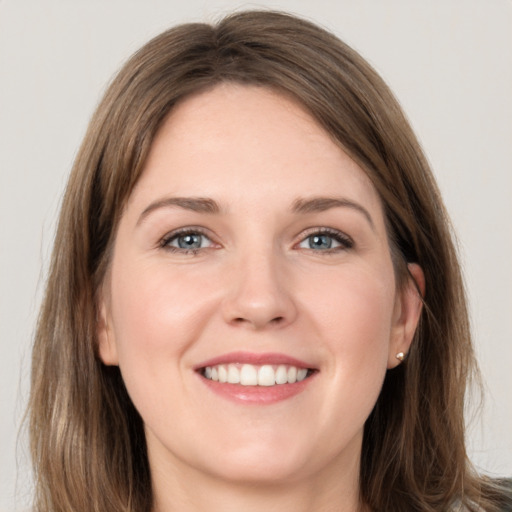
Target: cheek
x=158, y=313
x=156, y=308
x=353, y=308
x=352, y=315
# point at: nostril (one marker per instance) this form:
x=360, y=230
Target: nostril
x=274, y=321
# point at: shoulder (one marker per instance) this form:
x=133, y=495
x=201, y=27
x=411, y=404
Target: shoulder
x=495, y=496
x=506, y=498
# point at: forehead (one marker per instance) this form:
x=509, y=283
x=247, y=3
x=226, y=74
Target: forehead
x=249, y=140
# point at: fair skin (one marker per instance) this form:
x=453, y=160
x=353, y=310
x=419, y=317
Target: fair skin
x=284, y=262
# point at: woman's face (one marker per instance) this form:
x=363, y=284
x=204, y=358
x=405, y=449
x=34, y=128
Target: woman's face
x=252, y=249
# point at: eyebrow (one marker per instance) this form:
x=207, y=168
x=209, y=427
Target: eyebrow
x=195, y=204
x=321, y=204
x=301, y=206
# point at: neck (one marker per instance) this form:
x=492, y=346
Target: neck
x=183, y=489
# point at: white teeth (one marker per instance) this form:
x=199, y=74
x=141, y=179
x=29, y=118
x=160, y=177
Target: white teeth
x=301, y=374
x=223, y=374
x=233, y=374
x=281, y=375
x=250, y=375
x=266, y=376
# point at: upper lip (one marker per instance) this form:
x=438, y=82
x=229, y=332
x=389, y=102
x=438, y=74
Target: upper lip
x=253, y=358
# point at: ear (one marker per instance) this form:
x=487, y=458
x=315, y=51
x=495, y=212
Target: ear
x=107, y=348
x=406, y=315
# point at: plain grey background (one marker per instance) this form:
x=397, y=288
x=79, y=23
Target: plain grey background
x=448, y=61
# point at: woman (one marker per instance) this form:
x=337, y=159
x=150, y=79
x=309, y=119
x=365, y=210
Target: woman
x=254, y=301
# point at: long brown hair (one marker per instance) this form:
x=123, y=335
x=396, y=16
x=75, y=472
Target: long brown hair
x=87, y=439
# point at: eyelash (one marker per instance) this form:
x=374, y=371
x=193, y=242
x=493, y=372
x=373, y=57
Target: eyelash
x=344, y=240
x=167, y=239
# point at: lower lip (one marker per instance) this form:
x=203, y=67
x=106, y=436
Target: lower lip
x=257, y=394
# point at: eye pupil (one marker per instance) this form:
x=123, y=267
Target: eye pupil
x=320, y=242
x=189, y=241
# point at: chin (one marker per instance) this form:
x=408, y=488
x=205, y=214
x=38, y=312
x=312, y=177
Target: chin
x=264, y=470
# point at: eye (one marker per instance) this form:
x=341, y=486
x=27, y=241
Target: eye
x=186, y=241
x=326, y=240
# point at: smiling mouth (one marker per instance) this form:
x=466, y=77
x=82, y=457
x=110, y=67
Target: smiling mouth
x=265, y=375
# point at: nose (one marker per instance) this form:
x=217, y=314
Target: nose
x=259, y=293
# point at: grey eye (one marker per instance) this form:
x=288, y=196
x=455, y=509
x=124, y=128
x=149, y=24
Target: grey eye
x=189, y=241
x=320, y=242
